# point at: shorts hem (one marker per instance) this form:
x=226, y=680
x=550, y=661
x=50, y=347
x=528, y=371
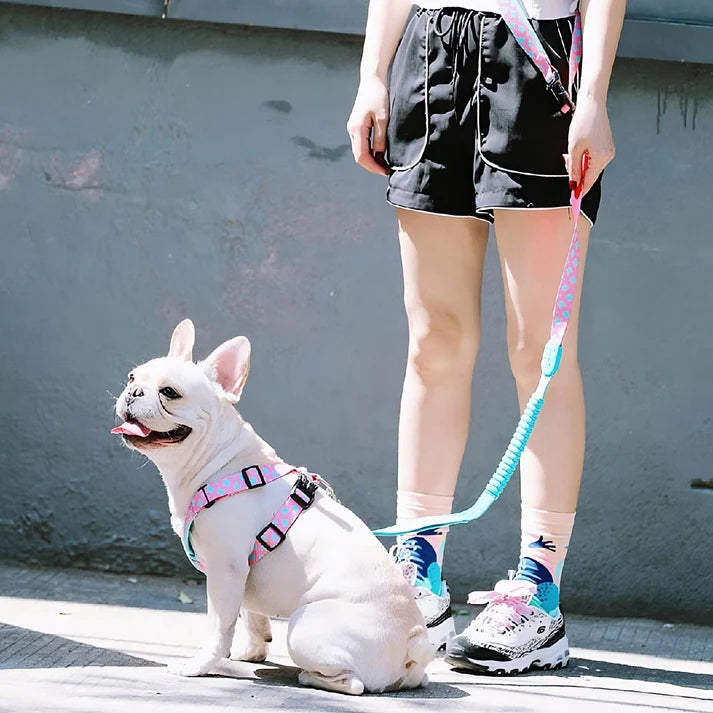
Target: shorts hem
x=517, y=199
x=533, y=208
x=422, y=203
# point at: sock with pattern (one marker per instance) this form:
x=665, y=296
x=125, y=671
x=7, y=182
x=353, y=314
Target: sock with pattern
x=424, y=550
x=543, y=548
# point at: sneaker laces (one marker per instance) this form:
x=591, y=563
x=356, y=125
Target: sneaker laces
x=506, y=606
x=407, y=551
x=407, y=556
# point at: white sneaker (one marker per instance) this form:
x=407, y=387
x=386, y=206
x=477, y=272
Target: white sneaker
x=435, y=607
x=509, y=636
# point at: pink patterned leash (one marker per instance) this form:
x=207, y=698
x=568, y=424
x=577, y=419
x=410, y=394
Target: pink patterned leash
x=255, y=476
x=568, y=282
x=517, y=19
x=575, y=52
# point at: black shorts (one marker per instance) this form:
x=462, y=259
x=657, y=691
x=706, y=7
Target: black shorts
x=472, y=125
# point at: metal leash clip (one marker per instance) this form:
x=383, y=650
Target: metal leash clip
x=561, y=94
x=321, y=483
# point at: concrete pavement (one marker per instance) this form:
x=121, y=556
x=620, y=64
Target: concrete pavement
x=74, y=641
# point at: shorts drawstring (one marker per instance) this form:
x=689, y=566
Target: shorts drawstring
x=456, y=36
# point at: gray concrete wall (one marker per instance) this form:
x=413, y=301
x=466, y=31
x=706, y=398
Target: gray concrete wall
x=150, y=171
x=654, y=29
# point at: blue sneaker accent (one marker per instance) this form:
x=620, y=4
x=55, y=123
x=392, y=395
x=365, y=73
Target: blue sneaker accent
x=434, y=578
x=547, y=598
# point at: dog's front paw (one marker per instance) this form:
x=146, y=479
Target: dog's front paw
x=198, y=666
x=254, y=653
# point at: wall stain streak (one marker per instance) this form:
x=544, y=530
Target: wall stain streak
x=321, y=152
x=280, y=105
x=688, y=106
x=35, y=523
x=82, y=174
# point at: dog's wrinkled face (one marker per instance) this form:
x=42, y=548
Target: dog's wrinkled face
x=169, y=399
x=162, y=403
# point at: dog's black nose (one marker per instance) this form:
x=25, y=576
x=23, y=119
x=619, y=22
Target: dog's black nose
x=137, y=392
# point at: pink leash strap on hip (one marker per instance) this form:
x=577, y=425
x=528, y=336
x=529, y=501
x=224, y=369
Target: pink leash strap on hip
x=518, y=21
x=551, y=358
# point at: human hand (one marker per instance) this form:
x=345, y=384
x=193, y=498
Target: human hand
x=367, y=125
x=589, y=133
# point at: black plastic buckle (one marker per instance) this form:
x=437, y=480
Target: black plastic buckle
x=560, y=93
x=208, y=502
x=246, y=477
x=265, y=530
x=305, y=487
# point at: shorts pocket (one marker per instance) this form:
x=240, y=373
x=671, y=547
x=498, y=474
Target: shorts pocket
x=407, y=130
x=520, y=126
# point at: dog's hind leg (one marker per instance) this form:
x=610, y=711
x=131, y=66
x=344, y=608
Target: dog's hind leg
x=341, y=682
x=259, y=635
x=321, y=654
x=419, y=654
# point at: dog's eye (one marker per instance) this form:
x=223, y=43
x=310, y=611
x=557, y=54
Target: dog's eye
x=169, y=393
x=131, y=378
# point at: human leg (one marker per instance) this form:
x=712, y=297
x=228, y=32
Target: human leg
x=522, y=626
x=442, y=261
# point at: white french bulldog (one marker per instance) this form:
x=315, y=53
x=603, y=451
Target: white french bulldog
x=354, y=625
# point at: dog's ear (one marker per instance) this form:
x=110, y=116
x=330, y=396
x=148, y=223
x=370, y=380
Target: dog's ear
x=229, y=365
x=182, y=340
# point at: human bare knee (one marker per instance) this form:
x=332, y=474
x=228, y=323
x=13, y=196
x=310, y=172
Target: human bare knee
x=525, y=354
x=442, y=345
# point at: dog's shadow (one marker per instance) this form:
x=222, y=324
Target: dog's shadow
x=272, y=673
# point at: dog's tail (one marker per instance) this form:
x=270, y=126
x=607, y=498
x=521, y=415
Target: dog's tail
x=419, y=653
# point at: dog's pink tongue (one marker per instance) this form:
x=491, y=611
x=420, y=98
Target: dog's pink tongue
x=132, y=428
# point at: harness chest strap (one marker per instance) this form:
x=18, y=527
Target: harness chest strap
x=255, y=476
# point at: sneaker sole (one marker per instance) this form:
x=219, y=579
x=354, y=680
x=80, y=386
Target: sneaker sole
x=549, y=658
x=440, y=634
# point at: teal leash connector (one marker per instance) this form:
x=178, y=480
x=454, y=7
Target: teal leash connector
x=551, y=358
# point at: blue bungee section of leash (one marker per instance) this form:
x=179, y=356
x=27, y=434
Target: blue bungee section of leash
x=508, y=463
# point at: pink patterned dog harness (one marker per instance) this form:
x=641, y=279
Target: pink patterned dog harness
x=255, y=476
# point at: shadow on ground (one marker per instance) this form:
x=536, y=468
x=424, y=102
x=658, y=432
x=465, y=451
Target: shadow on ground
x=591, y=669
x=24, y=648
x=142, y=591
x=277, y=674
x=606, y=669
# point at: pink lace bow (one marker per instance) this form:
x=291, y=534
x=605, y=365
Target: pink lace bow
x=515, y=594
